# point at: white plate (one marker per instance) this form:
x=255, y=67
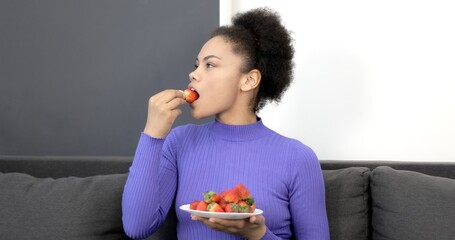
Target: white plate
x=221, y=215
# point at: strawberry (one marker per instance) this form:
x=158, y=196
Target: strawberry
x=190, y=95
x=214, y=207
x=244, y=193
x=193, y=205
x=250, y=201
x=231, y=196
x=244, y=207
x=211, y=196
x=253, y=207
x=232, y=207
x=222, y=203
x=202, y=206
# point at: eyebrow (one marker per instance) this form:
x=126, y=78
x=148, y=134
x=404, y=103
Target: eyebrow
x=206, y=58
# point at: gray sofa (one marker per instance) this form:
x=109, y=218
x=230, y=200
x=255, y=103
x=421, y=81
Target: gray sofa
x=80, y=198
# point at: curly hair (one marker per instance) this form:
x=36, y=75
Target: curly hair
x=265, y=44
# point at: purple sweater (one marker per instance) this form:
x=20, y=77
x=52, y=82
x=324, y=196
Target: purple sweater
x=282, y=174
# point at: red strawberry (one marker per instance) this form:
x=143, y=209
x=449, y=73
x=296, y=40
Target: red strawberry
x=222, y=203
x=244, y=193
x=190, y=95
x=211, y=196
x=202, y=206
x=222, y=194
x=244, y=207
x=214, y=207
x=193, y=205
x=231, y=196
x=232, y=207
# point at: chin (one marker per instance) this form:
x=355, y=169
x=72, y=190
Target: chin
x=198, y=115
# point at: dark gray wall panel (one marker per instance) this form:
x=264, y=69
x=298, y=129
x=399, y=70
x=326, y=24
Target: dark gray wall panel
x=76, y=75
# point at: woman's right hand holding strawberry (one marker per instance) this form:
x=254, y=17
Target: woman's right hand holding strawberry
x=163, y=109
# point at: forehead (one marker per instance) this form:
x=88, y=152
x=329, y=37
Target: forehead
x=217, y=46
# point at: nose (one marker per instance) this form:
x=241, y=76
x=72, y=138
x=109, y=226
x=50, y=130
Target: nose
x=192, y=76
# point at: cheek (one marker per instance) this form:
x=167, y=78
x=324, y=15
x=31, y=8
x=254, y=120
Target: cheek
x=222, y=94
x=219, y=100
x=215, y=98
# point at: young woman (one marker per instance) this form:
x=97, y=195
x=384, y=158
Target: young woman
x=238, y=70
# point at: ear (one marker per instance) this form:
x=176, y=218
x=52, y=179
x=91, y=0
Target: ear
x=251, y=81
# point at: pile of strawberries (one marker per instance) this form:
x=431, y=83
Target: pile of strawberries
x=235, y=200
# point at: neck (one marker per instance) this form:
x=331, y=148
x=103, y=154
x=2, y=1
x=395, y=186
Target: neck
x=241, y=113
x=238, y=119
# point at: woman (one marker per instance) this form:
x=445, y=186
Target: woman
x=238, y=70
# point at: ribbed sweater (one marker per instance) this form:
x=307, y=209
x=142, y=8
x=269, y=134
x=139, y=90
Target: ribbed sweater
x=283, y=175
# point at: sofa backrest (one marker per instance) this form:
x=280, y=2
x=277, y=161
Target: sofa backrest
x=80, y=166
x=434, y=168
x=348, y=193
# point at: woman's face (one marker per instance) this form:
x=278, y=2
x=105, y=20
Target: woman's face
x=217, y=80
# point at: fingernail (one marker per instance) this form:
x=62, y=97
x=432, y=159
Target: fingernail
x=211, y=220
x=193, y=217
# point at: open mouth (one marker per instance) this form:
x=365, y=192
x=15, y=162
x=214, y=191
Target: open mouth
x=190, y=95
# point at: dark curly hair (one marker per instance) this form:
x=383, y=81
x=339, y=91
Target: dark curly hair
x=266, y=45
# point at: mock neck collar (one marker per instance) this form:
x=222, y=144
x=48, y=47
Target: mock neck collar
x=240, y=132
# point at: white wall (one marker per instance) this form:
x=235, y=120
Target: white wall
x=373, y=80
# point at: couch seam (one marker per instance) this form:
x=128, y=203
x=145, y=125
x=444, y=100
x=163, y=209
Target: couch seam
x=366, y=202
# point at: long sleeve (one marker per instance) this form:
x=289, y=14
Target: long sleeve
x=149, y=189
x=307, y=197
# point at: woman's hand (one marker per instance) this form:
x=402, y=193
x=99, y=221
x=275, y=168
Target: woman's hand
x=163, y=109
x=250, y=228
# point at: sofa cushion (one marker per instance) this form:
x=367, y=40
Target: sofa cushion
x=347, y=203
x=63, y=208
x=411, y=205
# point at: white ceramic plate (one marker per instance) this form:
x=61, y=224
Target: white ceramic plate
x=220, y=215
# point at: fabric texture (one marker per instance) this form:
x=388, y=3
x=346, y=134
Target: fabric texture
x=411, y=205
x=64, y=208
x=347, y=200
x=283, y=175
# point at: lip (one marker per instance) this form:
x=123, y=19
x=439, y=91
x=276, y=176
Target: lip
x=192, y=88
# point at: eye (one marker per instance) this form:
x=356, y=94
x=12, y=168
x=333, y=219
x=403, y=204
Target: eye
x=196, y=66
x=209, y=65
